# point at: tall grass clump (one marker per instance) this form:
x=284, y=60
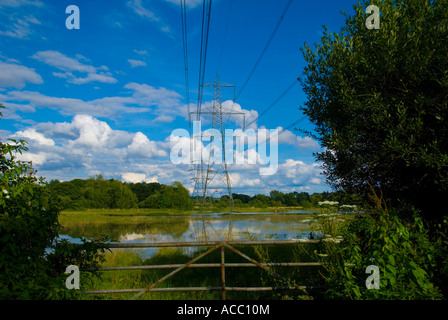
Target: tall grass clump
x=117, y=279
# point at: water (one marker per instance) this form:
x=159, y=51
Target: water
x=212, y=227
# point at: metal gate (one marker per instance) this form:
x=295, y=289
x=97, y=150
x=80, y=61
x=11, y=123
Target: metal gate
x=214, y=245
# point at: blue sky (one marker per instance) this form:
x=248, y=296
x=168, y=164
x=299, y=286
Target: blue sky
x=105, y=98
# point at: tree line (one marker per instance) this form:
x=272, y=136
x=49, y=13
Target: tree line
x=99, y=193
x=292, y=199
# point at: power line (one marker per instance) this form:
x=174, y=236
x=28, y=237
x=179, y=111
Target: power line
x=275, y=102
x=285, y=129
x=206, y=12
x=285, y=10
x=225, y=35
x=265, y=47
x=185, y=47
x=293, y=124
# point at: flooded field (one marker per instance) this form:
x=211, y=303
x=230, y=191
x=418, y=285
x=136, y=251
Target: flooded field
x=196, y=227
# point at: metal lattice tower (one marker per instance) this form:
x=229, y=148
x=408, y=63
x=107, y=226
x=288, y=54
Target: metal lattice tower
x=206, y=169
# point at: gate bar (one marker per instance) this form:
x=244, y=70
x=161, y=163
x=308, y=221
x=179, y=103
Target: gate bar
x=205, y=243
x=212, y=265
x=204, y=289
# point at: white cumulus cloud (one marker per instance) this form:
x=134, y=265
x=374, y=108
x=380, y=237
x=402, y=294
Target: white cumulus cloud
x=36, y=136
x=143, y=147
x=136, y=63
x=16, y=76
x=69, y=65
x=137, y=177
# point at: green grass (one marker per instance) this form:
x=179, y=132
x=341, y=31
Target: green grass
x=125, y=217
x=104, y=216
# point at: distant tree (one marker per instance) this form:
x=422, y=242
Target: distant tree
x=290, y=199
x=182, y=196
x=143, y=190
x=223, y=202
x=237, y=203
x=256, y=203
x=277, y=196
x=302, y=197
x=243, y=197
x=95, y=193
x=154, y=201
x=273, y=203
x=262, y=198
x=378, y=100
x=315, y=198
x=174, y=196
x=121, y=196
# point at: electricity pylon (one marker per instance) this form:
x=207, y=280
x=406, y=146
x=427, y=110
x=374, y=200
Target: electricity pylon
x=206, y=169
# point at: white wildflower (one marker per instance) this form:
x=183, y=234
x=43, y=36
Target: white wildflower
x=331, y=203
x=349, y=206
x=330, y=239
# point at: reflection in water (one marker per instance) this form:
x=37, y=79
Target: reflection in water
x=130, y=237
x=212, y=227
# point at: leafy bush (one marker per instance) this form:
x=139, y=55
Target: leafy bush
x=402, y=251
x=174, y=196
x=32, y=259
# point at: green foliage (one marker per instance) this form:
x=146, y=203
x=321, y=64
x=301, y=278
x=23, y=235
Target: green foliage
x=378, y=99
x=143, y=190
x=93, y=193
x=97, y=193
x=32, y=262
x=403, y=252
x=28, y=223
x=174, y=196
x=292, y=199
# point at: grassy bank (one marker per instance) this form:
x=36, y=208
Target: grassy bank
x=195, y=210
x=138, y=215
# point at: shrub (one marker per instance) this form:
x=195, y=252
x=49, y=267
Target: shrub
x=32, y=259
x=401, y=250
